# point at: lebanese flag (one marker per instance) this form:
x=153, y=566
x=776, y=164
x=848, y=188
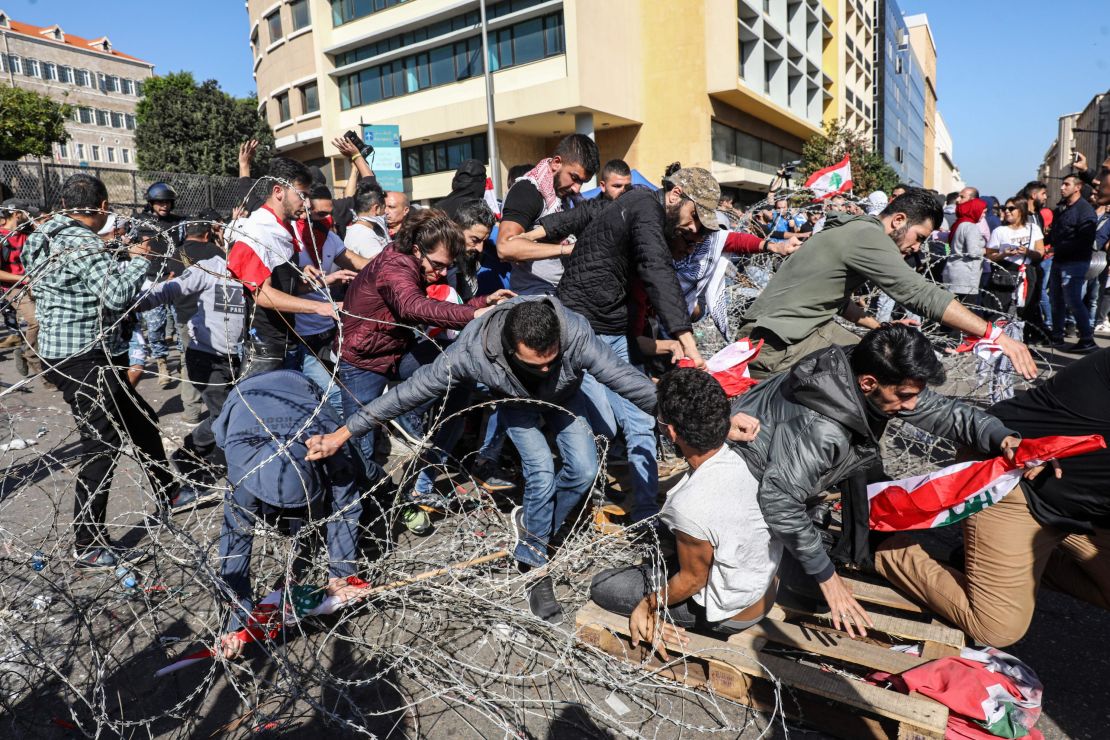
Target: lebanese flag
x=832, y=180
x=730, y=366
x=447, y=294
x=956, y=492
x=491, y=199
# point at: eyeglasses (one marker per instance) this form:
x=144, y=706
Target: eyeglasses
x=1010, y=208
x=438, y=267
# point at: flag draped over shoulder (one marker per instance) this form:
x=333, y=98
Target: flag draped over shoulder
x=956, y=492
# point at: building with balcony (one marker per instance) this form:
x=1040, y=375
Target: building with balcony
x=899, y=96
x=925, y=52
x=850, y=63
x=102, y=84
x=735, y=86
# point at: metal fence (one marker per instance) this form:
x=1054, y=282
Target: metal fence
x=41, y=183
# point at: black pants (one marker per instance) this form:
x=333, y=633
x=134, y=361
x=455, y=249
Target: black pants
x=212, y=375
x=262, y=356
x=105, y=405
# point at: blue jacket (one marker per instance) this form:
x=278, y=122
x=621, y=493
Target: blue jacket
x=262, y=430
x=1072, y=235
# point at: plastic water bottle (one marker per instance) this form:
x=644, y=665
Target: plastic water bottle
x=126, y=578
x=38, y=561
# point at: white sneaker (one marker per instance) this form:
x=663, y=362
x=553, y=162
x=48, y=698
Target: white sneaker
x=1103, y=328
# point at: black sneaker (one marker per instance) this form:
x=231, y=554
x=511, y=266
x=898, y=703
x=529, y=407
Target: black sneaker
x=94, y=558
x=516, y=521
x=1082, y=347
x=490, y=477
x=190, y=498
x=542, y=602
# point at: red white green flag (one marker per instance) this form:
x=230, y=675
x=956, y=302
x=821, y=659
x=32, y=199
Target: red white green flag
x=831, y=180
x=956, y=492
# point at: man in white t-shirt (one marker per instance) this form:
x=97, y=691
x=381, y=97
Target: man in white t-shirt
x=727, y=559
x=368, y=233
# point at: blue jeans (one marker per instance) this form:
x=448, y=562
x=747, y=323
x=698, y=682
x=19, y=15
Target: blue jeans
x=612, y=411
x=494, y=438
x=550, y=497
x=1045, y=299
x=363, y=386
x=1066, y=286
x=318, y=372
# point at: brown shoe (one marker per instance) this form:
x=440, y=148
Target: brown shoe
x=12, y=340
x=164, y=377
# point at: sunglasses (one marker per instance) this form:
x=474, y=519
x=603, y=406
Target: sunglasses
x=1011, y=208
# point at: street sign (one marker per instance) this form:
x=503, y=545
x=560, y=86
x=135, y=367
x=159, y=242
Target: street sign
x=386, y=141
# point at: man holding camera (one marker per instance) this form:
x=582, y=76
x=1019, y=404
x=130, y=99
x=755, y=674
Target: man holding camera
x=82, y=292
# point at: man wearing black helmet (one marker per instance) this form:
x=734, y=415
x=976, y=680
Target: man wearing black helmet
x=158, y=212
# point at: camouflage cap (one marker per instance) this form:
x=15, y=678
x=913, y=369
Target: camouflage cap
x=702, y=188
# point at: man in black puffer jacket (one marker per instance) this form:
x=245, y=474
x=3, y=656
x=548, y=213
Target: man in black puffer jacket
x=629, y=238
x=822, y=420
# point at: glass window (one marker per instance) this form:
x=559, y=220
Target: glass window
x=501, y=49
x=457, y=151
x=49, y=71
x=111, y=154
x=80, y=152
x=117, y=120
x=31, y=67
x=102, y=118
x=129, y=87
x=441, y=157
x=86, y=115
x=15, y=64
x=273, y=25
x=283, y=107
x=310, y=100
x=96, y=153
x=66, y=74
x=112, y=83
x=428, y=157
x=63, y=151
x=412, y=162
x=345, y=11
x=129, y=121
x=138, y=88
x=528, y=41
x=298, y=9
x=126, y=155
x=553, y=34
x=101, y=81
x=441, y=61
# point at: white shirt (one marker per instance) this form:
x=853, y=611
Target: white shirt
x=364, y=239
x=718, y=503
x=1023, y=236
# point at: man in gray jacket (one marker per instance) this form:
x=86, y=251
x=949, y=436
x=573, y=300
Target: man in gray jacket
x=528, y=349
x=821, y=421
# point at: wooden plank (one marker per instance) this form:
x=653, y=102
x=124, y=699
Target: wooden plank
x=906, y=628
x=742, y=654
x=833, y=644
x=874, y=593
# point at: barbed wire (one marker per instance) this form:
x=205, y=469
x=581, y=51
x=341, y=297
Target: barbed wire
x=78, y=649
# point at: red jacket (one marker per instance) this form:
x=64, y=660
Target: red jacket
x=383, y=303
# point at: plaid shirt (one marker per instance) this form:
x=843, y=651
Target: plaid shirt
x=81, y=290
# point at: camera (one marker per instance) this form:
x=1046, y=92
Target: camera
x=363, y=148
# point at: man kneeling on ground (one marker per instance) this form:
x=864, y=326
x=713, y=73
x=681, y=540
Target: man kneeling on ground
x=1051, y=530
x=727, y=558
x=262, y=431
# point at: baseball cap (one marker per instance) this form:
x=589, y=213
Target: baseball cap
x=18, y=204
x=702, y=188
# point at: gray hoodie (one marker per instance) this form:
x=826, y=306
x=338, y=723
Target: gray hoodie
x=217, y=325
x=477, y=356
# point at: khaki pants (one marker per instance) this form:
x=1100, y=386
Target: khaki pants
x=25, y=309
x=777, y=356
x=1009, y=554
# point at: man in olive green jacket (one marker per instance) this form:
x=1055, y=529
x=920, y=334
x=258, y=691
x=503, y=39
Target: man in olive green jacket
x=795, y=314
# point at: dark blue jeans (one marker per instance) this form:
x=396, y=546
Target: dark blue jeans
x=1066, y=286
x=359, y=387
x=549, y=496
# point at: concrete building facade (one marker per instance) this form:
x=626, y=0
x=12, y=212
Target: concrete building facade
x=101, y=83
x=946, y=175
x=900, y=96
x=850, y=63
x=1087, y=131
x=925, y=52
x=735, y=86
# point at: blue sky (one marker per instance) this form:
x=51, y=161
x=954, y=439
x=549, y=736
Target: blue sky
x=1006, y=71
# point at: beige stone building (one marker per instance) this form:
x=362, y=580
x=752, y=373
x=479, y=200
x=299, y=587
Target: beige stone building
x=735, y=86
x=925, y=50
x=850, y=63
x=101, y=83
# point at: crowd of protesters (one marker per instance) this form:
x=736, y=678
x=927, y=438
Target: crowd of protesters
x=308, y=323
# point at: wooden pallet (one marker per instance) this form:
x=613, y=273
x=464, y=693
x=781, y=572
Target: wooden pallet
x=746, y=665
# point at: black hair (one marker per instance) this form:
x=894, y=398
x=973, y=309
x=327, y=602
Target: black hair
x=901, y=186
x=287, y=172
x=474, y=213
x=579, y=149
x=918, y=204
x=672, y=168
x=83, y=191
x=616, y=167
x=518, y=171
x=197, y=228
x=423, y=230
x=1021, y=206
x=1027, y=191
x=894, y=354
x=951, y=198
x=533, y=324
x=694, y=403
x=367, y=198
x=320, y=192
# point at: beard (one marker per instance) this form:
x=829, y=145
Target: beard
x=470, y=260
x=898, y=235
x=672, y=214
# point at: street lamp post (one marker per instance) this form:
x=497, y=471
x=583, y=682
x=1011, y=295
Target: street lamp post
x=491, y=134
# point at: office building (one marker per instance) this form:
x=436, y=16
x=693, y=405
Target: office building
x=850, y=64
x=899, y=96
x=735, y=86
x=101, y=83
x=924, y=50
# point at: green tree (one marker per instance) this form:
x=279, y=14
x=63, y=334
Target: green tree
x=30, y=123
x=182, y=126
x=869, y=171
